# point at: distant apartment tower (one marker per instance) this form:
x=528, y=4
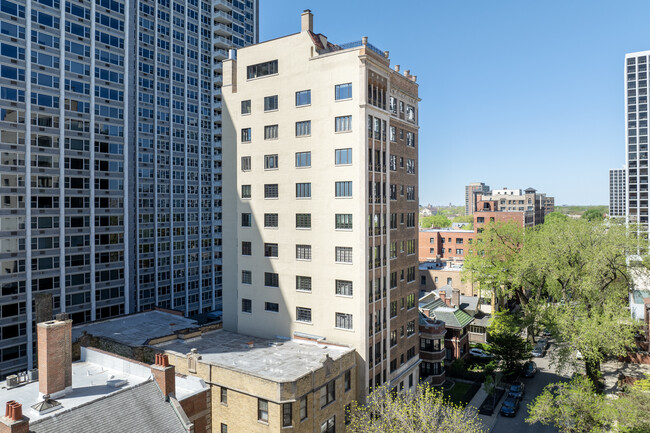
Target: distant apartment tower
x=528, y=207
x=110, y=158
x=470, y=195
x=320, y=145
x=617, y=192
x=636, y=137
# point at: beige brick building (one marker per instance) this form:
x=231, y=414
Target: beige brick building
x=320, y=166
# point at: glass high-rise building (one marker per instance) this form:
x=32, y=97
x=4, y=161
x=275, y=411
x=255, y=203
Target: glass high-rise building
x=110, y=158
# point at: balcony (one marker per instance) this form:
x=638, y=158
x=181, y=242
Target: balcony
x=221, y=42
x=222, y=5
x=221, y=17
x=221, y=30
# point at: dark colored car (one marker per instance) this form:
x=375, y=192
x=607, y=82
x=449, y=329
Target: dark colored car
x=510, y=406
x=516, y=390
x=530, y=368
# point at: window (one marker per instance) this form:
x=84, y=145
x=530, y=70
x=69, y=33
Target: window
x=303, y=284
x=343, y=91
x=410, y=166
x=303, y=408
x=449, y=281
x=270, y=162
x=410, y=193
x=262, y=69
x=286, y=415
x=343, y=221
x=410, y=139
x=327, y=393
x=271, y=279
x=270, y=220
x=271, y=132
x=273, y=307
x=303, y=252
x=343, y=321
x=271, y=190
x=224, y=428
x=303, y=128
x=410, y=113
x=303, y=314
x=245, y=135
x=343, y=156
x=344, y=287
x=303, y=220
x=246, y=219
x=480, y=219
x=303, y=190
x=343, y=189
x=343, y=255
x=347, y=381
x=270, y=250
x=392, y=133
x=246, y=277
x=410, y=328
x=224, y=396
x=246, y=107
x=270, y=103
x=410, y=301
x=245, y=191
x=303, y=159
x=459, y=251
x=343, y=123
x=328, y=426
x=246, y=306
x=262, y=410
x=303, y=98
x=245, y=163
x=246, y=249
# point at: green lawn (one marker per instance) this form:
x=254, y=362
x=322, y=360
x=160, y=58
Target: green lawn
x=457, y=393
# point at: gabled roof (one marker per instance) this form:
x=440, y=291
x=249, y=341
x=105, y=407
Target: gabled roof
x=453, y=317
x=141, y=408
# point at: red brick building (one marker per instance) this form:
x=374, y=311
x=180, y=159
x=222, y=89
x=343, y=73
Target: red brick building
x=435, y=244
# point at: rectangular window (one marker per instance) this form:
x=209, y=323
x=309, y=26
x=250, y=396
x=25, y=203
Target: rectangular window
x=343, y=189
x=328, y=393
x=343, y=91
x=303, y=220
x=271, y=190
x=343, y=321
x=224, y=428
x=246, y=306
x=328, y=426
x=344, y=287
x=246, y=219
x=343, y=123
x=343, y=221
x=246, y=107
x=270, y=250
x=303, y=252
x=262, y=410
x=270, y=220
x=343, y=255
x=303, y=190
x=303, y=159
x=303, y=408
x=262, y=69
x=303, y=128
x=303, y=284
x=224, y=395
x=246, y=248
x=271, y=279
x=347, y=381
x=270, y=162
x=271, y=132
x=303, y=98
x=245, y=163
x=246, y=277
x=245, y=191
x=392, y=134
x=303, y=314
x=343, y=156
x=270, y=103
x=245, y=135
x=286, y=415
x=273, y=307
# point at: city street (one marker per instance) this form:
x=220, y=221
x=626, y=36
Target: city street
x=534, y=387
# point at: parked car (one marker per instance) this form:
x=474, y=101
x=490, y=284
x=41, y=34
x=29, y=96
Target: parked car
x=480, y=353
x=538, y=351
x=543, y=341
x=510, y=406
x=530, y=368
x=516, y=390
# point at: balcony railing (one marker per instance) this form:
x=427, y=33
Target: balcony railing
x=360, y=44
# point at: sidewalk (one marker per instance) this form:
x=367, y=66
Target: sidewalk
x=488, y=421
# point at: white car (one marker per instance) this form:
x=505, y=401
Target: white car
x=538, y=351
x=480, y=353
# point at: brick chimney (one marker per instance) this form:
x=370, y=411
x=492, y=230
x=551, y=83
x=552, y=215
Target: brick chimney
x=164, y=374
x=443, y=297
x=55, y=356
x=455, y=297
x=14, y=421
x=307, y=21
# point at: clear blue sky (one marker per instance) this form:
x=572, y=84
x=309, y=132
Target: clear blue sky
x=514, y=93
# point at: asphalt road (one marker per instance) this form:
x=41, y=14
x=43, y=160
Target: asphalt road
x=534, y=387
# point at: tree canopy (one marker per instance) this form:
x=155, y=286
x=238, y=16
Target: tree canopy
x=506, y=343
x=439, y=221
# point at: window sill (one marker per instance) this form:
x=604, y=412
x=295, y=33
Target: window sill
x=304, y=135
x=345, y=198
x=344, y=296
x=303, y=228
x=348, y=131
x=271, y=111
x=343, y=329
x=303, y=105
x=303, y=166
x=269, y=311
x=258, y=78
x=343, y=230
x=305, y=323
x=272, y=169
x=343, y=263
x=303, y=198
x=342, y=99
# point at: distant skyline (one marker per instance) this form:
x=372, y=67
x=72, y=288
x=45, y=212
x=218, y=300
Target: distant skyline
x=514, y=94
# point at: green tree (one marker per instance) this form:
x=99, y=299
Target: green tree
x=507, y=345
x=439, y=221
x=422, y=411
x=593, y=215
x=555, y=216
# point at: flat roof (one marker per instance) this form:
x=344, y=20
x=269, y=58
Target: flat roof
x=447, y=230
x=439, y=267
x=136, y=329
x=277, y=360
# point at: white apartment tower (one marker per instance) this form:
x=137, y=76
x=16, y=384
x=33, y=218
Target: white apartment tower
x=617, y=192
x=320, y=152
x=636, y=137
